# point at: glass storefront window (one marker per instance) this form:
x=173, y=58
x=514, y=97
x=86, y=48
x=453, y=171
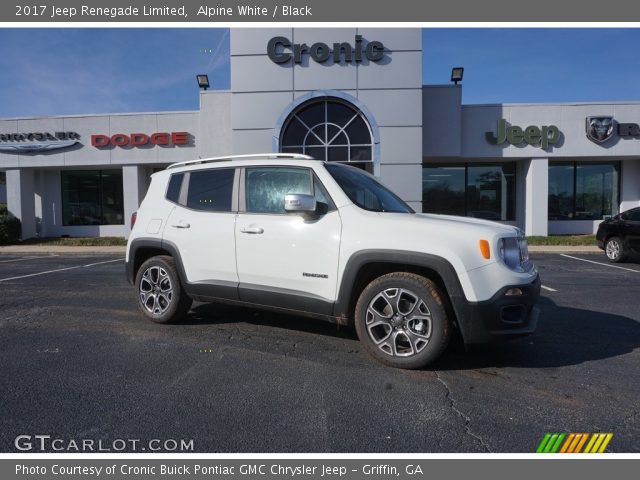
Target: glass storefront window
x=473, y=190
x=583, y=191
x=92, y=197
x=596, y=191
x=443, y=190
x=491, y=191
x=561, y=191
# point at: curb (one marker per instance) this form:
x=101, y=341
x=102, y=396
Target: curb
x=57, y=249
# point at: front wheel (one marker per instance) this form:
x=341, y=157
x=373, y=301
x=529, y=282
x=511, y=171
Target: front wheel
x=613, y=249
x=161, y=297
x=401, y=319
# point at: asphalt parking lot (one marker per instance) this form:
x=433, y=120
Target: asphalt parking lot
x=79, y=362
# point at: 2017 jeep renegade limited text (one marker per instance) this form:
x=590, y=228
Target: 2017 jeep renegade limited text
x=325, y=240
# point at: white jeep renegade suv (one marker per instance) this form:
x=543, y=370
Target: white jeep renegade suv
x=297, y=235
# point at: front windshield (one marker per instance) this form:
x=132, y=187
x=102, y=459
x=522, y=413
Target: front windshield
x=363, y=190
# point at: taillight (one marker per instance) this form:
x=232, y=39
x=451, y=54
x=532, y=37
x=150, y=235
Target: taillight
x=134, y=217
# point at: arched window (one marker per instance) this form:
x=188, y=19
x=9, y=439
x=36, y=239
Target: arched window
x=328, y=129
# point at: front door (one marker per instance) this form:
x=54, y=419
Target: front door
x=284, y=259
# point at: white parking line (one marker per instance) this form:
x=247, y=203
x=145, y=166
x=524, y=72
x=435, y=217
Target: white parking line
x=59, y=270
x=601, y=263
x=18, y=259
x=544, y=287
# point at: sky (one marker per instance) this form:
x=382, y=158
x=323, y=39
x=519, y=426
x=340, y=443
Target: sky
x=67, y=71
x=504, y=65
x=64, y=71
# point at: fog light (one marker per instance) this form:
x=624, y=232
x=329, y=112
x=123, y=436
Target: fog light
x=513, y=292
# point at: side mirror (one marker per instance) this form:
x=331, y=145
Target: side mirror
x=299, y=203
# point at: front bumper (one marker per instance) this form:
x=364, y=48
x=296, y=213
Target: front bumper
x=501, y=316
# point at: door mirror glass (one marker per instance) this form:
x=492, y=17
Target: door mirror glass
x=299, y=203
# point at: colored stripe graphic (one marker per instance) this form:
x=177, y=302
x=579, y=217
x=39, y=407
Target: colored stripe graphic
x=568, y=442
x=550, y=443
x=583, y=440
x=556, y=445
x=606, y=441
x=592, y=440
x=543, y=443
x=573, y=442
x=598, y=443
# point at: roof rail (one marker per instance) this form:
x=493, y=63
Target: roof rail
x=270, y=156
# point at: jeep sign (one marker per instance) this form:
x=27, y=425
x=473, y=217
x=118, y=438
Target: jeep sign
x=541, y=137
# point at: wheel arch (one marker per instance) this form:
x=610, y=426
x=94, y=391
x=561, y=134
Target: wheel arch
x=142, y=249
x=367, y=265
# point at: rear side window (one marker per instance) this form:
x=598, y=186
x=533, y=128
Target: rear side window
x=173, y=190
x=211, y=190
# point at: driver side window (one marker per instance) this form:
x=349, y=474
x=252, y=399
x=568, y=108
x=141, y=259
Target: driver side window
x=266, y=187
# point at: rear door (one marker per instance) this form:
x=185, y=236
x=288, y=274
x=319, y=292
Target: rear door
x=202, y=228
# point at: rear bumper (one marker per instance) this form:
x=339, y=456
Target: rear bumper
x=128, y=268
x=502, y=316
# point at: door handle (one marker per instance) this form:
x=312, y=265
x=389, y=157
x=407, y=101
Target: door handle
x=254, y=230
x=181, y=225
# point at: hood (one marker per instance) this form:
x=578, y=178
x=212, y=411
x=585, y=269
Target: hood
x=455, y=221
x=460, y=227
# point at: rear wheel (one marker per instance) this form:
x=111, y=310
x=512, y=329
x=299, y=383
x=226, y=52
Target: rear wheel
x=159, y=292
x=614, y=250
x=401, y=319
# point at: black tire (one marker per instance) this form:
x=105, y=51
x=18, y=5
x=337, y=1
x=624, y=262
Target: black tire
x=160, y=295
x=409, y=341
x=614, y=250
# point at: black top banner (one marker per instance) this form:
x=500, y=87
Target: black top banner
x=226, y=11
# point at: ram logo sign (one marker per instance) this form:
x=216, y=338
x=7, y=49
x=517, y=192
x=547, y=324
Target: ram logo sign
x=599, y=129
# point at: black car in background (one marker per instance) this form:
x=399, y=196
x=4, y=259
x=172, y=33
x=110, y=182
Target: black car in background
x=619, y=236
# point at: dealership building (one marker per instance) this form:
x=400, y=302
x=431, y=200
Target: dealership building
x=343, y=95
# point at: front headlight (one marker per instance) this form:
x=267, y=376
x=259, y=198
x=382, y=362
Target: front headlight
x=514, y=252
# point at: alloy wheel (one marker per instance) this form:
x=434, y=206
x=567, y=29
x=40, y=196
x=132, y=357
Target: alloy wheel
x=156, y=291
x=399, y=322
x=613, y=249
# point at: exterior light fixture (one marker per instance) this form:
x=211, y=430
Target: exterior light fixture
x=203, y=81
x=456, y=74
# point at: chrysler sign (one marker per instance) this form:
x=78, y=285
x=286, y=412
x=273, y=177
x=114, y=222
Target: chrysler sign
x=30, y=142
